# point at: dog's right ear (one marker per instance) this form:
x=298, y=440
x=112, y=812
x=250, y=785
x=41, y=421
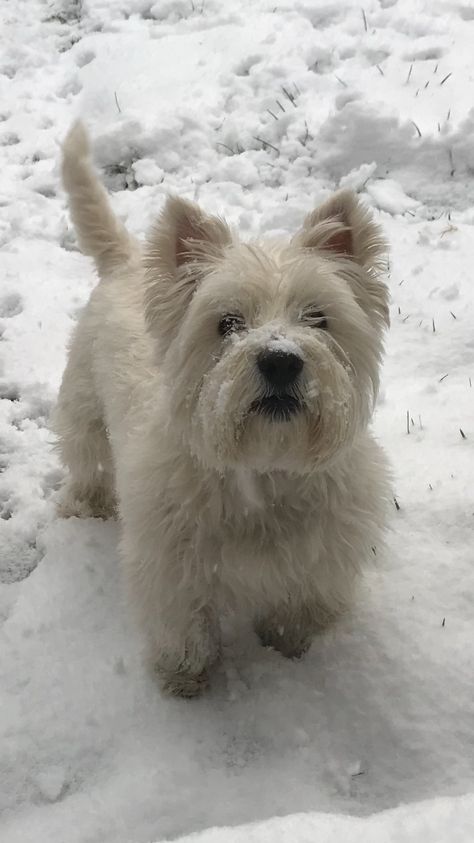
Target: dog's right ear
x=343, y=227
x=183, y=244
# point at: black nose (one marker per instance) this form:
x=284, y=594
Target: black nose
x=279, y=368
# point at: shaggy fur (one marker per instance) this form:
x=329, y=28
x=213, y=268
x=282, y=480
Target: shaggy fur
x=221, y=393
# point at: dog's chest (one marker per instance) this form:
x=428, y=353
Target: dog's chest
x=262, y=527
x=251, y=507
x=250, y=493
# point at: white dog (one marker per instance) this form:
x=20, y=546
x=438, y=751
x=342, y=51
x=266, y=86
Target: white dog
x=221, y=392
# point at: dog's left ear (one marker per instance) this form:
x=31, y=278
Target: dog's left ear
x=343, y=227
x=181, y=247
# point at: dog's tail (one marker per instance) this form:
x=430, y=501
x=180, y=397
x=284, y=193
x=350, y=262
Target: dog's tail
x=100, y=233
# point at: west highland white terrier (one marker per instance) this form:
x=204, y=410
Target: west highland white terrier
x=218, y=395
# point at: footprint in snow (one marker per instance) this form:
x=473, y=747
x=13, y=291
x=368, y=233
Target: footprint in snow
x=85, y=58
x=9, y=139
x=9, y=392
x=424, y=54
x=467, y=12
x=6, y=511
x=18, y=558
x=11, y=305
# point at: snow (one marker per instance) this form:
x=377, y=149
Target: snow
x=437, y=821
x=258, y=111
x=387, y=195
x=283, y=345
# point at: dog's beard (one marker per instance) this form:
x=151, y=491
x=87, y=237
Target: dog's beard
x=235, y=420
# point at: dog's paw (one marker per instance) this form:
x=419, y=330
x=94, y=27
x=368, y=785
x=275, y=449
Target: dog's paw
x=291, y=631
x=183, y=684
x=95, y=505
x=288, y=646
x=291, y=641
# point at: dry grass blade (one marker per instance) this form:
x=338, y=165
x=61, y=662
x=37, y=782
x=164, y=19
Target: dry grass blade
x=289, y=96
x=266, y=143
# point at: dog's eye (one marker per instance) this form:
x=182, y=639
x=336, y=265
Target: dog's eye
x=315, y=319
x=231, y=323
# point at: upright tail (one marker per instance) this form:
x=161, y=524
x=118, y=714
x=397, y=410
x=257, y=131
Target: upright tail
x=100, y=233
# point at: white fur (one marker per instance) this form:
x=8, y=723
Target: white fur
x=220, y=505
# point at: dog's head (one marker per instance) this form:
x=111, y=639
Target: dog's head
x=271, y=350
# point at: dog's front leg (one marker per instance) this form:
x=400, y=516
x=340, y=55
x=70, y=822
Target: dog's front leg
x=177, y=615
x=186, y=646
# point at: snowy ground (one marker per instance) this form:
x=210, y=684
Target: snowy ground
x=257, y=110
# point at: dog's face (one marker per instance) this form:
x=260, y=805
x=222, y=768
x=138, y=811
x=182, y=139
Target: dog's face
x=271, y=351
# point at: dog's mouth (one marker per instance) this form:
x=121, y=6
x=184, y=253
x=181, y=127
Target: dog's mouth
x=276, y=407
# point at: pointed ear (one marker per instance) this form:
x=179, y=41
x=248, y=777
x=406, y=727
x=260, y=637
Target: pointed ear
x=343, y=227
x=182, y=245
